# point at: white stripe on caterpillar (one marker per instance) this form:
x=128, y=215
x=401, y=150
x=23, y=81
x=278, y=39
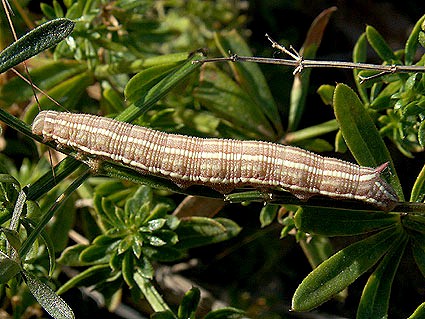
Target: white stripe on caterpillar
x=221, y=164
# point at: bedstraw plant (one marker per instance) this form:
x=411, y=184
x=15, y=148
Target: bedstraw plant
x=115, y=228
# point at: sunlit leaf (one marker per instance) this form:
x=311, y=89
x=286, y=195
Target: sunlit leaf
x=361, y=135
x=47, y=298
x=342, y=269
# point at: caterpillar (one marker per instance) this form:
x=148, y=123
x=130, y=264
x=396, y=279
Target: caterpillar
x=222, y=164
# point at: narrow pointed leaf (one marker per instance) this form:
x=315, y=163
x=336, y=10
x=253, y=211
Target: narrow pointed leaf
x=333, y=222
x=200, y=231
x=342, y=269
x=376, y=293
x=380, y=45
x=418, y=190
x=160, y=89
x=34, y=42
x=140, y=84
x=361, y=135
x=224, y=97
x=226, y=313
x=67, y=93
x=88, y=277
x=150, y=293
x=419, y=312
x=9, y=268
x=413, y=42
x=250, y=77
x=189, y=304
x=301, y=81
x=268, y=214
x=47, y=298
x=71, y=256
x=46, y=77
x=359, y=56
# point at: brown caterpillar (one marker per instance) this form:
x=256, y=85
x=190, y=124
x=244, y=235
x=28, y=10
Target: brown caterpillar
x=221, y=164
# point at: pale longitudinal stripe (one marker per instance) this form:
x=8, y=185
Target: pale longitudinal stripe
x=221, y=164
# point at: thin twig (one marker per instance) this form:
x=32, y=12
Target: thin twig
x=299, y=63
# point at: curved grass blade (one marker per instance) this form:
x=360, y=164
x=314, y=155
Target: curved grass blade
x=41, y=38
x=47, y=298
x=361, y=134
x=342, y=269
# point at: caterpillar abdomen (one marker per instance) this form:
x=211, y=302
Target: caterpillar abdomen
x=221, y=164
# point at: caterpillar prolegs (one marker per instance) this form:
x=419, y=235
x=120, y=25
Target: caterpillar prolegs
x=222, y=164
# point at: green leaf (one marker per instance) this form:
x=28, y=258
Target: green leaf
x=380, y=45
x=163, y=254
x=44, y=184
x=145, y=268
x=140, y=84
x=419, y=312
x=361, y=135
x=71, y=256
x=47, y=298
x=30, y=227
x=384, y=99
x=200, y=231
x=150, y=293
x=418, y=249
x=96, y=254
x=226, y=313
x=359, y=56
x=108, y=212
x=418, y=190
x=68, y=93
x=88, y=277
x=189, y=304
x=326, y=93
x=342, y=269
x=376, y=293
x=41, y=38
x=412, y=43
x=9, y=268
x=224, y=97
x=268, y=214
x=128, y=269
x=9, y=179
x=160, y=88
x=335, y=222
x=300, y=86
x=311, y=132
x=12, y=237
x=250, y=77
